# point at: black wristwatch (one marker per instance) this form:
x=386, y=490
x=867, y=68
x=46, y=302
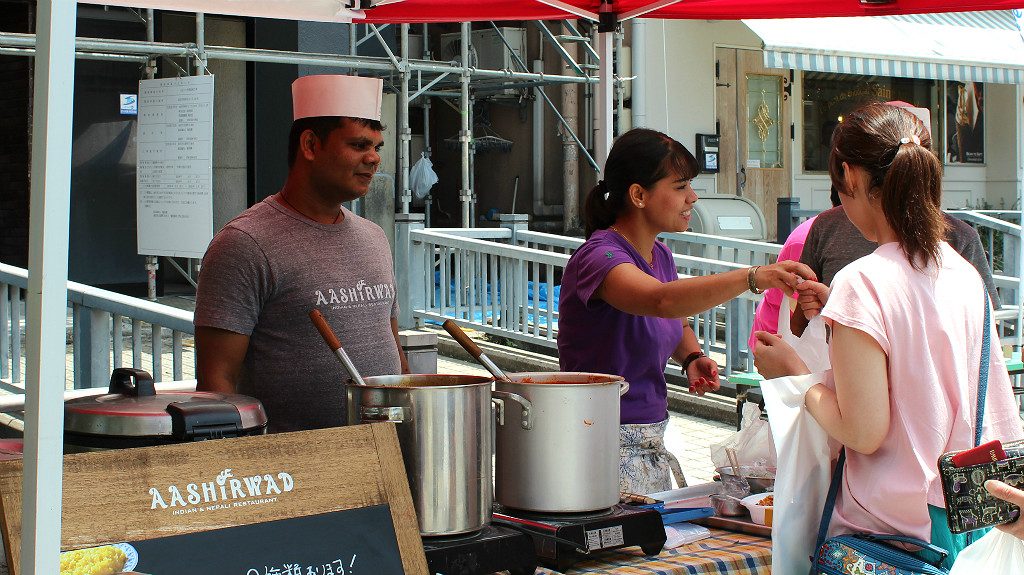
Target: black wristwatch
x=691, y=358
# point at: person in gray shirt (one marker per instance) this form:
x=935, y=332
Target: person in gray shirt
x=834, y=242
x=301, y=250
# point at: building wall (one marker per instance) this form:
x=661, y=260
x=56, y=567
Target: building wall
x=679, y=79
x=679, y=83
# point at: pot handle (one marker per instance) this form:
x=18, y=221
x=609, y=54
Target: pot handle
x=499, y=409
x=377, y=414
x=131, y=382
x=623, y=388
x=498, y=396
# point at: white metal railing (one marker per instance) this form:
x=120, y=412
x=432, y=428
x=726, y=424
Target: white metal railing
x=98, y=318
x=504, y=282
x=1000, y=233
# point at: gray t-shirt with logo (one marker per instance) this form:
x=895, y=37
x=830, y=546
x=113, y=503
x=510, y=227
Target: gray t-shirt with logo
x=262, y=275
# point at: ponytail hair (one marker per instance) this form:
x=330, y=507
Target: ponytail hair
x=640, y=156
x=894, y=146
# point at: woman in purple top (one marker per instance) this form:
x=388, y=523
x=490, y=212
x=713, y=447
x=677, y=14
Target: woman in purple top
x=623, y=309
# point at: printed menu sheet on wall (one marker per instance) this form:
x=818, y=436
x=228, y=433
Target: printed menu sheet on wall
x=175, y=166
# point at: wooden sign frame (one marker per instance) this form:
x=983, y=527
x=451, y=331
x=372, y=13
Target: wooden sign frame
x=152, y=492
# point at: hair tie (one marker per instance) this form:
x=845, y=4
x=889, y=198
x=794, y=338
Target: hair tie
x=600, y=184
x=911, y=138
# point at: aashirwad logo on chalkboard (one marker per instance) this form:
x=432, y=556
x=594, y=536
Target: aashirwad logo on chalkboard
x=224, y=492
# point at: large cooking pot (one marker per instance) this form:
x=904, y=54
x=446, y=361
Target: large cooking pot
x=567, y=459
x=133, y=414
x=444, y=428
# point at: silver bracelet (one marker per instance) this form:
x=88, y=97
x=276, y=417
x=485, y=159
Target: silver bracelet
x=752, y=281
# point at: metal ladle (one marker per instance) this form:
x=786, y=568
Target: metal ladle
x=332, y=342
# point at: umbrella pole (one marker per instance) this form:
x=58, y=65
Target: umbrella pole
x=49, y=218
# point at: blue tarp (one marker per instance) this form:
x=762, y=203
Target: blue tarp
x=541, y=305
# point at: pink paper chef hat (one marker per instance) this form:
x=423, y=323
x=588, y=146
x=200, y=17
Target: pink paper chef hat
x=336, y=95
x=923, y=114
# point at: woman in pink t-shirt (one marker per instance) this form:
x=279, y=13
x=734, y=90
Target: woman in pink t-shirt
x=907, y=324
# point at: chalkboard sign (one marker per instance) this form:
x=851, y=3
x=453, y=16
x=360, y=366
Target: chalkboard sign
x=283, y=504
x=352, y=542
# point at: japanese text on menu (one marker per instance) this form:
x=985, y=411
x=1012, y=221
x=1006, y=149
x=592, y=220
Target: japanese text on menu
x=175, y=166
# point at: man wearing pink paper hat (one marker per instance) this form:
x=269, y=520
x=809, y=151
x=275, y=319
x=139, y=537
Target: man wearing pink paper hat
x=301, y=250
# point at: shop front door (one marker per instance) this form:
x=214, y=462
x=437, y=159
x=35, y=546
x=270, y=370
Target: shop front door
x=756, y=135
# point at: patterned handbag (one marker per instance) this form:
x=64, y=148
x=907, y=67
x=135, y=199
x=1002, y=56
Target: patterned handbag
x=864, y=554
x=969, y=505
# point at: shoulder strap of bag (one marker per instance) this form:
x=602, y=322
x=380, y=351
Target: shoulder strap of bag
x=837, y=475
x=830, y=502
x=986, y=348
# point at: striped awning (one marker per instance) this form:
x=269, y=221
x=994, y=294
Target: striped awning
x=964, y=46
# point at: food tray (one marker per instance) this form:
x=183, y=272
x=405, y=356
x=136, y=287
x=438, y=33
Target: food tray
x=739, y=524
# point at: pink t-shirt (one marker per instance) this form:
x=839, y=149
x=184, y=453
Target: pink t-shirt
x=766, y=318
x=929, y=325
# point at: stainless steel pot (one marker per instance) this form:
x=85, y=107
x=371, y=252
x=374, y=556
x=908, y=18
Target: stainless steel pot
x=444, y=428
x=133, y=414
x=559, y=453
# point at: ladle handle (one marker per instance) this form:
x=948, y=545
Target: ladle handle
x=325, y=330
x=460, y=336
x=332, y=341
x=474, y=350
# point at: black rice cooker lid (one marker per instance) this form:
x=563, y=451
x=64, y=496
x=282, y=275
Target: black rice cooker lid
x=133, y=408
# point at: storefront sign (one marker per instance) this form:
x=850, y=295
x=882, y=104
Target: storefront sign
x=326, y=501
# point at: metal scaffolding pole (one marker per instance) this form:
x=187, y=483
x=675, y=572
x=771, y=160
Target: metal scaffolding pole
x=602, y=103
x=200, y=57
x=429, y=199
x=620, y=88
x=404, y=132
x=352, y=31
x=466, y=193
x=106, y=47
x=152, y=262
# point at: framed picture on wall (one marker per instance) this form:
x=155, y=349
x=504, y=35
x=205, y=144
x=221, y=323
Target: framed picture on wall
x=965, y=122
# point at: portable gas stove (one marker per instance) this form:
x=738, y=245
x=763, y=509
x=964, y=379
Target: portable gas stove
x=493, y=548
x=561, y=540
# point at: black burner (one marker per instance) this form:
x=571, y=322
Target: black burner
x=575, y=516
x=562, y=540
x=494, y=548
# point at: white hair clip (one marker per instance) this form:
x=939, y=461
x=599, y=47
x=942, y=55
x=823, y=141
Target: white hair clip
x=908, y=139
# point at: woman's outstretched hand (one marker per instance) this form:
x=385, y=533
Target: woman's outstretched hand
x=776, y=358
x=812, y=297
x=785, y=275
x=702, y=373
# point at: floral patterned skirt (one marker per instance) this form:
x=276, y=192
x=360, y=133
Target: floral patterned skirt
x=645, y=466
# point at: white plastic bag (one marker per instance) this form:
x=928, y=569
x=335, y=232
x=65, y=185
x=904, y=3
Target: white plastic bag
x=996, y=552
x=812, y=346
x=753, y=442
x=422, y=177
x=804, y=468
